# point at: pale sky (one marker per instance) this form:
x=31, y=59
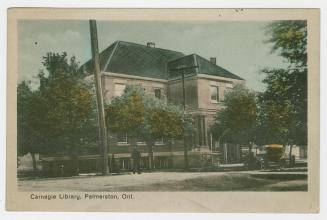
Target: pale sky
x=238, y=46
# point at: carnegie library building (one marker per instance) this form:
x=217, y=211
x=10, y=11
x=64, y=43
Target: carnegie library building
x=158, y=71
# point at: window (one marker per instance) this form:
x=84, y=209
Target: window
x=119, y=89
x=159, y=141
x=122, y=138
x=229, y=86
x=214, y=91
x=157, y=93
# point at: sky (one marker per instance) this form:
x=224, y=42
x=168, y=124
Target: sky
x=239, y=46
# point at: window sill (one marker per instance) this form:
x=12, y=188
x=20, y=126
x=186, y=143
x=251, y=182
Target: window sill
x=215, y=102
x=122, y=143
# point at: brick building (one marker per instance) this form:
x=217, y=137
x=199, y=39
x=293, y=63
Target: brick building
x=157, y=71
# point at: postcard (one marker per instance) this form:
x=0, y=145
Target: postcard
x=163, y=110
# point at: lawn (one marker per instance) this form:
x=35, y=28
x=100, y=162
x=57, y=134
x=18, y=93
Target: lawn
x=173, y=181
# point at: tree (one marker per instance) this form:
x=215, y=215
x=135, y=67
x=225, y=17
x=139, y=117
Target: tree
x=289, y=39
x=236, y=123
x=68, y=101
x=283, y=106
x=59, y=112
x=26, y=136
x=139, y=114
x=126, y=113
x=164, y=120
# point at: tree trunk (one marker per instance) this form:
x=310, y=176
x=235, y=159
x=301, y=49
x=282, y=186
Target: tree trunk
x=250, y=152
x=170, y=161
x=34, y=162
x=113, y=165
x=250, y=159
x=225, y=150
x=74, y=152
x=150, y=154
x=290, y=156
x=76, y=164
x=133, y=142
x=186, y=161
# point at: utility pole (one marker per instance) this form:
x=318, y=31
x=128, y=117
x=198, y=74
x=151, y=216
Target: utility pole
x=184, y=141
x=181, y=69
x=98, y=85
x=183, y=85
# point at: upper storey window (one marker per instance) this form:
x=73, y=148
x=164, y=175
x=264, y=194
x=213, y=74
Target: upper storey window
x=157, y=93
x=214, y=91
x=229, y=87
x=119, y=89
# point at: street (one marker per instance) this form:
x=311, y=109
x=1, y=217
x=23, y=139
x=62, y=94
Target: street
x=174, y=181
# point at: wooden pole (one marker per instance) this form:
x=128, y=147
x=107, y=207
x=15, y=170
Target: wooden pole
x=186, y=164
x=100, y=104
x=183, y=86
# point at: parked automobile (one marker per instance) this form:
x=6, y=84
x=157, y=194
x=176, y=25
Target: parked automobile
x=274, y=157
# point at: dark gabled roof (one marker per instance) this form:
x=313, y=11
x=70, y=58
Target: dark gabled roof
x=104, y=56
x=206, y=67
x=135, y=59
x=186, y=61
x=141, y=60
x=203, y=66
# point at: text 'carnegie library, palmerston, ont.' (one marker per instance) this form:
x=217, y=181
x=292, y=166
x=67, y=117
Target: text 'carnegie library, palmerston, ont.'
x=88, y=196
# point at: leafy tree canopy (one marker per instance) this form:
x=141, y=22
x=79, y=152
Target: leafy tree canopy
x=138, y=113
x=26, y=138
x=236, y=122
x=58, y=113
x=289, y=39
x=283, y=106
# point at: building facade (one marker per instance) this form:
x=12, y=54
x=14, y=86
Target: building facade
x=159, y=72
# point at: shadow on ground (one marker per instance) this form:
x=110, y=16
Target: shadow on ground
x=229, y=182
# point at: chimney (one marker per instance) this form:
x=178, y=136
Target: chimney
x=151, y=44
x=213, y=60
